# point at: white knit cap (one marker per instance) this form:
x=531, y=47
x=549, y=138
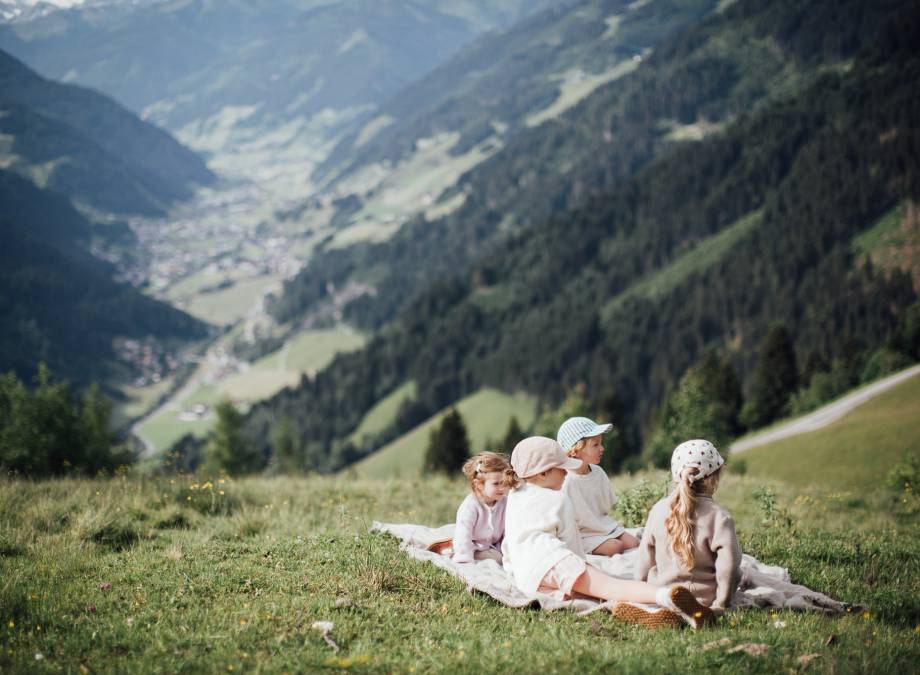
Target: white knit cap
x=696, y=453
x=576, y=428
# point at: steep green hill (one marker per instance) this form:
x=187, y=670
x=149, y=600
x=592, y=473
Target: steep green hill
x=60, y=305
x=692, y=85
x=486, y=415
x=62, y=146
x=853, y=453
x=78, y=142
x=781, y=191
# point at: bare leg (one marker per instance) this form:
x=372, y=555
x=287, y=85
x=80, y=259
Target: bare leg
x=613, y=546
x=599, y=585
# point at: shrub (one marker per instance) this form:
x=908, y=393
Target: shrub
x=635, y=503
x=903, y=482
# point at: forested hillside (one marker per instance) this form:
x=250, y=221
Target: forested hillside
x=692, y=85
x=78, y=142
x=705, y=246
x=63, y=146
x=59, y=304
x=491, y=90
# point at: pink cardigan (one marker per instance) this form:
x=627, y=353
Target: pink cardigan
x=479, y=528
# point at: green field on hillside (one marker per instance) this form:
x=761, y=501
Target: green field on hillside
x=383, y=413
x=705, y=254
x=855, y=452
x=307, y=352
x=177, y=574
x=230, y=304
x=486, y=414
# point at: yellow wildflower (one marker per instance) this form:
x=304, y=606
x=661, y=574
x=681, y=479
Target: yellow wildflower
x=11, y=624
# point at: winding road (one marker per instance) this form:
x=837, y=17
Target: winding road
x=826, y=415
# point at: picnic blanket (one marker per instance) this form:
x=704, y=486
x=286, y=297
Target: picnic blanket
x=761, y=585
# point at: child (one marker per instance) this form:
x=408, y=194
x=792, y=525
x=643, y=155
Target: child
x=481, y=516
x=542, y=549
x=589, y=489
x=689, y=539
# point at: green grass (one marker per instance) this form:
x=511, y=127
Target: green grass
x=856, y=452
x=150, y=575
x=312, y=350
x=231, y=304
x=701, y=256
x=307, y=352
x=383, y=413
x=575, y=85
x=407, y=188
x=882, y=232
x=486, y=414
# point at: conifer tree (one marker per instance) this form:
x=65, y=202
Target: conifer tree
x=705, y=404
x=512, y=437
x=285, y=448
x=448, y=445
x=228, y=449
x=775, y=379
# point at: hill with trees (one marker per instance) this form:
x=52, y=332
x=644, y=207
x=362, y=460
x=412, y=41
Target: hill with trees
x=67, y=152
x=704, y=245
x=692, y=85
x=78, y=142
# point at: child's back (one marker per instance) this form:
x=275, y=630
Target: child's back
x=716, y=560
x=689, y=539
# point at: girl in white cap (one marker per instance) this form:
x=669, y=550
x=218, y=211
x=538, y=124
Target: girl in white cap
x=589, y=488
x=542, y=549
x=689, y=539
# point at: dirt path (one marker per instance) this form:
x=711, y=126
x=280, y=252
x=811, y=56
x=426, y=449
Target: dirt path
x=824, y=416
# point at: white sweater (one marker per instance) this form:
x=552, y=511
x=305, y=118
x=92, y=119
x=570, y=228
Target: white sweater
x=540, y=531
x=592, y=499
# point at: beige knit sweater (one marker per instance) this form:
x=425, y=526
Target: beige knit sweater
x=717, y=556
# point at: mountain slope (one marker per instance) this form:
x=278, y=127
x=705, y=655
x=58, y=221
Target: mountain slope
x=254, y=83
x=81, y=143
x=58, y=304
x=874, y=438
x=813, y=168
x=496, y=87
x=691, y=85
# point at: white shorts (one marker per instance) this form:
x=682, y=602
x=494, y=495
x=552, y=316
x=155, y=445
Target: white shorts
x=562, y=576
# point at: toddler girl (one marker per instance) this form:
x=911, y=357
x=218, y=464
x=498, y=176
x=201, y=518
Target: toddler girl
x=689, y=539
x=589, y=488
x=542, y=549
x=481, y=516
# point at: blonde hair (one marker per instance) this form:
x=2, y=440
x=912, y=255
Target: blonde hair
x=488, y=462
x=575, y=449
x=679, y=522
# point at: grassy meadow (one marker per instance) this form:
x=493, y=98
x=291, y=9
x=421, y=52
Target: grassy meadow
x=134, y=574
x=307, y=352
x=142, y=573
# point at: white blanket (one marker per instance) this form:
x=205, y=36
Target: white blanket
x=761, y=585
